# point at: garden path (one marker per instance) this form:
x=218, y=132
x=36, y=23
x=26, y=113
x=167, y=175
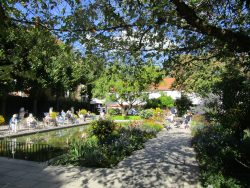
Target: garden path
x=166, y=161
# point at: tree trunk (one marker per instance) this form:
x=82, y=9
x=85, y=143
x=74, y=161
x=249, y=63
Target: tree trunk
x=236, y=40
x=57, y=102
x=3, y=106
x=35, y=101
x=124, y=111
x=35, y=106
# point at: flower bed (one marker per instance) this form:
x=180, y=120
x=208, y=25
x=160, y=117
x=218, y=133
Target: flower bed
x=108, y=143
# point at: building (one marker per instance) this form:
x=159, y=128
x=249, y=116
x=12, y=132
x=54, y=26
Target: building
x=164, y=87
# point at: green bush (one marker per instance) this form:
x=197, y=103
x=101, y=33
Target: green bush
x=182, y=104
x=82, y=112
x=163, y=101
x=103, y=129
x=93, y=153
x=166, y=101
x=84, y=153
x=114, y=111
x=198, y=123
x=146, y=114
x=153, y=103
x=217, y=153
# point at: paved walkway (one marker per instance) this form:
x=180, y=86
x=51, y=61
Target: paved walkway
x=167, y=161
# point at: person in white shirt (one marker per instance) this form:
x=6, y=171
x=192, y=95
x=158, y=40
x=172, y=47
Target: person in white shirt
x=13, y=123
x=31, y=121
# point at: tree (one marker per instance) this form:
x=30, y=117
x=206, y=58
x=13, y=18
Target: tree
x=86, y=71
x=32, y=59
x=234, y=107
x=126, y=83
x=197, y=74
x=142, y=25
x=183, y=104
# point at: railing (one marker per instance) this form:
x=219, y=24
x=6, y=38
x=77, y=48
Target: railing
x=28, y=151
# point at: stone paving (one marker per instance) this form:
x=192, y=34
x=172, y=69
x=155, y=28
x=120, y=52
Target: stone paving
x=166, y=161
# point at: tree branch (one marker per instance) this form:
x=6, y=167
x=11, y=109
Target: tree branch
x=143, y=34
x=236, y=41
x=92, y=29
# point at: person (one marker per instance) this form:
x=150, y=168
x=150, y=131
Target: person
x=170, y=118
x=50, y=109
x=102, y=115
x=173, y=111
x=59, y=120
x=21, y=113
x=31, y=121
x=13, y=123
x=47, y=119
x=63, y=114
x=187, y=120
x=68, y=116
x=178, y=123
x=89, y=114
x=84, y=117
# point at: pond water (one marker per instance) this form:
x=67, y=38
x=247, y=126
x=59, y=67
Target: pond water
x=56, y=138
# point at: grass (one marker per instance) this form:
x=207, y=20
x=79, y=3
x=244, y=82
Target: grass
x=120, y=117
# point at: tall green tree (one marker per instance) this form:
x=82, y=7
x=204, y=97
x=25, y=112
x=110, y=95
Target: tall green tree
x=33, y=60
x=86, y=71
x=126, y=83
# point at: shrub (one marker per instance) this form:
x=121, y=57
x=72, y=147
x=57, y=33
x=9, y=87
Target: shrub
x=114, y=111
x=166, y=101
x=158, y=115
x=152, y=125
x=158, y=112
x=93, y=153
x=103, y=129
x=217, y=151
x=2, y=120
x=85, y=153
x=198, y=122
x=153, y=103
x=163, y=101
x=182, y=104
x=82, y=112
x=146, y=114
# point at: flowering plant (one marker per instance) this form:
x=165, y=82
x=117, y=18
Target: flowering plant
x=2, y=120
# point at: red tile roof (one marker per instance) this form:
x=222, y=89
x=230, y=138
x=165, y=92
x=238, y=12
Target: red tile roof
x=164, y=85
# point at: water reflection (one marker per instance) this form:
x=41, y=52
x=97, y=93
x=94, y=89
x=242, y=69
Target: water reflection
x=57, y=138
x=13, y=147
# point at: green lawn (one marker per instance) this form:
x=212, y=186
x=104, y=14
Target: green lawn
x=125, y=118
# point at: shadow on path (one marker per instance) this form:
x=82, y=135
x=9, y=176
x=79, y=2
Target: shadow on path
x=166, y=161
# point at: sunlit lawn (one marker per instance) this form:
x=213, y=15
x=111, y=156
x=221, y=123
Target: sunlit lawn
x=125, y=118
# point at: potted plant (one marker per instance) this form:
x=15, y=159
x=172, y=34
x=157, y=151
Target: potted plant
x=2, y=120
x=82, y=113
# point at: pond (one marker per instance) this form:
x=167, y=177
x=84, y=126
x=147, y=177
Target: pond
x=57, y=138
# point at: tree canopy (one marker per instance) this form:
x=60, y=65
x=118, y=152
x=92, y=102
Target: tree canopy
x=126, y=84
x=200, y=41
x=147, y=26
